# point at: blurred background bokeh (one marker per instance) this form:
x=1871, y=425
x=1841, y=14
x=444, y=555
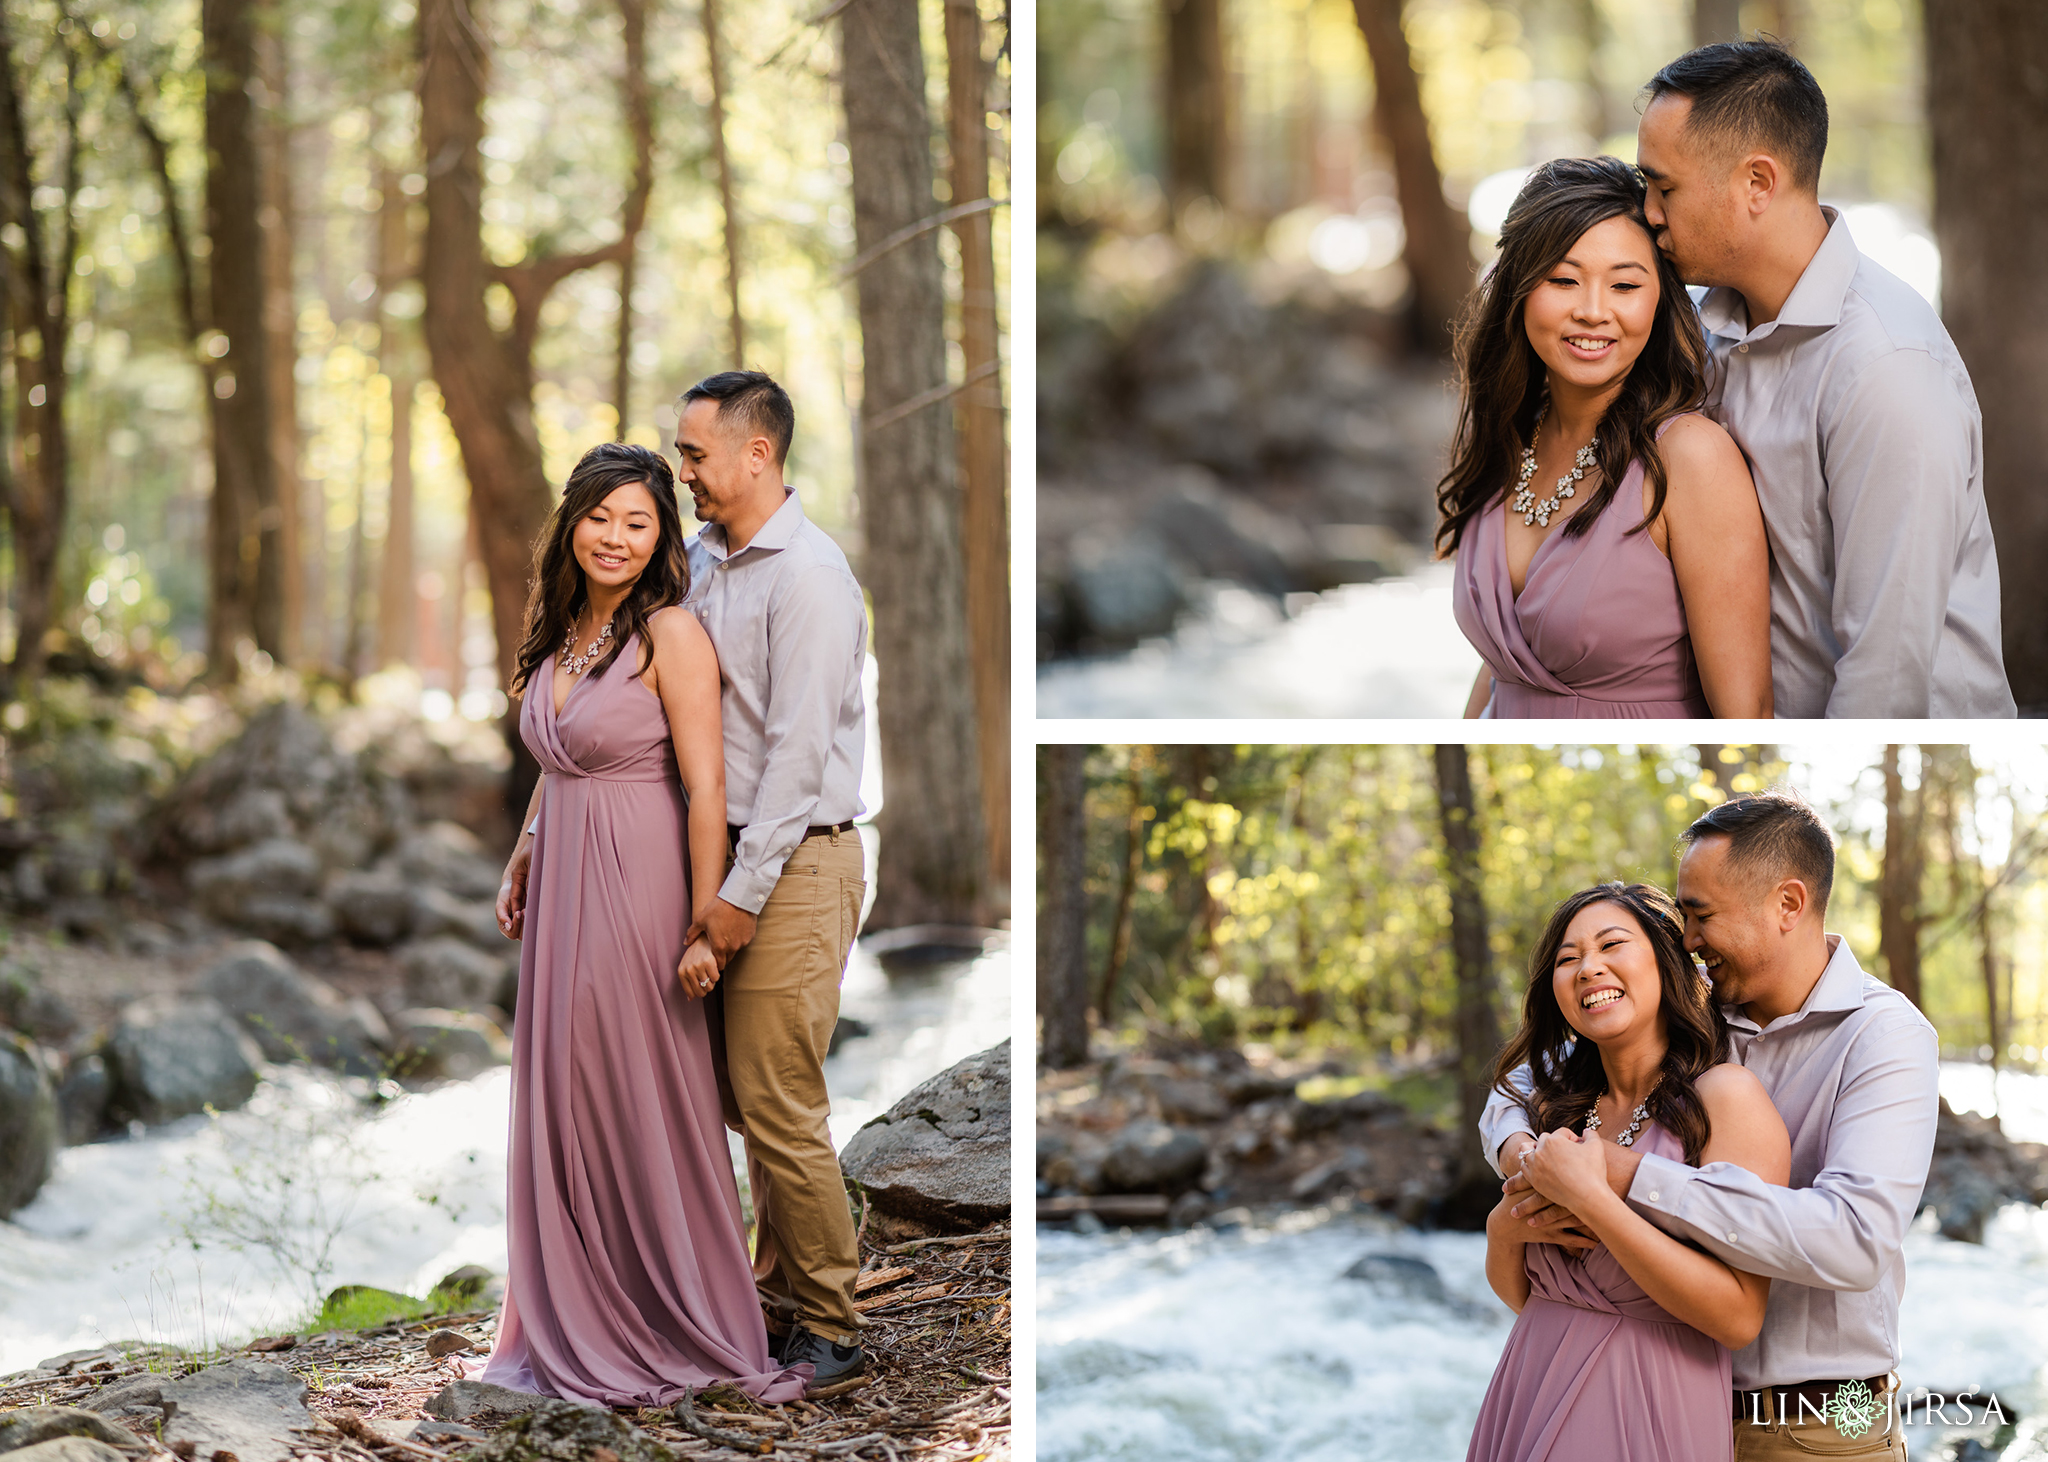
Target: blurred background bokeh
x=1255, y=218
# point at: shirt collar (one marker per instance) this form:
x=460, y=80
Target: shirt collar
x=775, y=534
x=1839, y=988
x=1816, y=300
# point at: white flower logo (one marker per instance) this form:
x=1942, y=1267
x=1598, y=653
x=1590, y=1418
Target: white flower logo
x=1852, y=1409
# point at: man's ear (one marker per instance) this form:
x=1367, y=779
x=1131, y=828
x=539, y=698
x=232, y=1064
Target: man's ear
x=760, y=454
x=1763, y=178
x=1793, y=899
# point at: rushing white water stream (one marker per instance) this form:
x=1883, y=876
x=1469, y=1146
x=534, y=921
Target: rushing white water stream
x=1245, y=1344
x=408, y=1193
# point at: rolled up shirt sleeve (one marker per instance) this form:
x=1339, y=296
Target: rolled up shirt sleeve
x=1843, y=1229
x=1899, y=455
x=1504, y=1116
x=815, y=627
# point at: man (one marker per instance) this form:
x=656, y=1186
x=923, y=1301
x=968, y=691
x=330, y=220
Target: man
x=1844, y=392
x=1851, y=1066
x=787, y=619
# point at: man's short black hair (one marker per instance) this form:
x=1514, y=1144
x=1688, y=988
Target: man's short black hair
x=1774, y=835
x=754, y=398
x=1752, y=95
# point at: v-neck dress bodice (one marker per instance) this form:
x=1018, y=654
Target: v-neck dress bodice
x=1596, y=1368
x=629, y=1277
x=1598, y=630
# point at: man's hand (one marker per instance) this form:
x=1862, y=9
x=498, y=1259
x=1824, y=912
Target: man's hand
x=512, y=894
x=729, y=928
x=1556, y=1224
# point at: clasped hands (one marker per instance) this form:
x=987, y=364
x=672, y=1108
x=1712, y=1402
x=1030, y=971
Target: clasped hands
x=713, y=938
x=1552, y=1179
x=709, y=945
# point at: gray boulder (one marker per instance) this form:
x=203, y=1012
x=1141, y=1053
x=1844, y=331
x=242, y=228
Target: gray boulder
x=1151, y=1157
x=941, y=1156
x=28, y=1122
x=174, y=1055
x=435, y=911
x=1400, y=1275
x=268, y=889
x=34, y=1424
x=245, y=816
x=82, y=1097
x=450, y=856
x=480, y=1402
x=245, y=1406
x=294, y=1015
x=373, y=908
x=453, y=1044
x=30, y=1006
x=68, y=1449
x=449, y=974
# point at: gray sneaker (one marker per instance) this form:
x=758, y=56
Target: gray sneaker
x=832, y=1365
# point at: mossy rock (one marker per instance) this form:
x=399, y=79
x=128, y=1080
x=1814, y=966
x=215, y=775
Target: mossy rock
x=563, y=1431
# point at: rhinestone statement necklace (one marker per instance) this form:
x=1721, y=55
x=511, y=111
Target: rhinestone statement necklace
x=576, y=663
x=1635, y=1125
x=1525, y=502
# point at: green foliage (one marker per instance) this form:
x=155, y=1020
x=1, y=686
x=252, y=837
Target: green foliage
x=359, y=1307
x=1297, y=895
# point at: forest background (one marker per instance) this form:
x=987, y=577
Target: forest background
x=312, y=304
x=1379, y=903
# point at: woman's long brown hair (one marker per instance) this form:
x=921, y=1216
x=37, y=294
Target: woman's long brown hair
x=1502, y=380
x=558, y=592
x=1565, y=1067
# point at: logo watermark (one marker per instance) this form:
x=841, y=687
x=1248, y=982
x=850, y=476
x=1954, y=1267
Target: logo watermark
x=1854, y=1409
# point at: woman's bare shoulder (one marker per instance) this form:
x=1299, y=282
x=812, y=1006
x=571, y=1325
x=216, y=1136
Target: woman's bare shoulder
x=1733, y=1089
x=674, y=627
x=1696, y=444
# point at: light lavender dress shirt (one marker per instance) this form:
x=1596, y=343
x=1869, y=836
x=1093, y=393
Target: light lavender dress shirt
x=1867, y=447
x=791, y=631
x=1853, y=1073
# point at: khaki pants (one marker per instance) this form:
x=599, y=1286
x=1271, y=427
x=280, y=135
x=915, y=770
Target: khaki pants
x=779, y=1003
x=1797, y=1437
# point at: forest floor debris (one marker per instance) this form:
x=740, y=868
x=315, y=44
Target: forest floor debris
x=937, y=1386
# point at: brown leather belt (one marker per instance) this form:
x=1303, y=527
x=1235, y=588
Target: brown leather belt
x=1781, y=1403
x=733, y=830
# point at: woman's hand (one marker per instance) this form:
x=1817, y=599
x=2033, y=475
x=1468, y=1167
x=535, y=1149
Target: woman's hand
x=698, y=970
x=1569, y=1171
x=512, y=892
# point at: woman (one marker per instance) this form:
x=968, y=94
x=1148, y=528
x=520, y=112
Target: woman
x=1622, y=1352
x=629, y=1274
x=1611, y=559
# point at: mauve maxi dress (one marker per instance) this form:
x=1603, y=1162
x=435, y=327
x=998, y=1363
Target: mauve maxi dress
x=1596, y=1369
x=629, y=1273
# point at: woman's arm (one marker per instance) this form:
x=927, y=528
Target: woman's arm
x=1507, y=1243
x=1695, y=1287
x=684, y=675
x=512, y=892
x=1482, y=692
x=1712, y=530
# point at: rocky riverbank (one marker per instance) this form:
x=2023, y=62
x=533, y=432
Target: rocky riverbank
x=1287, y=446
x=1207, y=1137
x=938, y=1342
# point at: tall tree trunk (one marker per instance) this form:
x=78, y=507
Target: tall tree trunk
x=1438, y=251
x=397, y=594
x=1715, y=20
x=1126, y=894
x=1898, y=897
x=244, y=476
x=1711, y=769
x=979, y=414
x=280, y=580
x=1197, y=104
x=1592, y=28
x=1478, y=1022
x=714, y=62
x=934, y=851
x=640, y=124
x=1063, y=917
x=1987, y=112
x=485, y=376
x=39, y=302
